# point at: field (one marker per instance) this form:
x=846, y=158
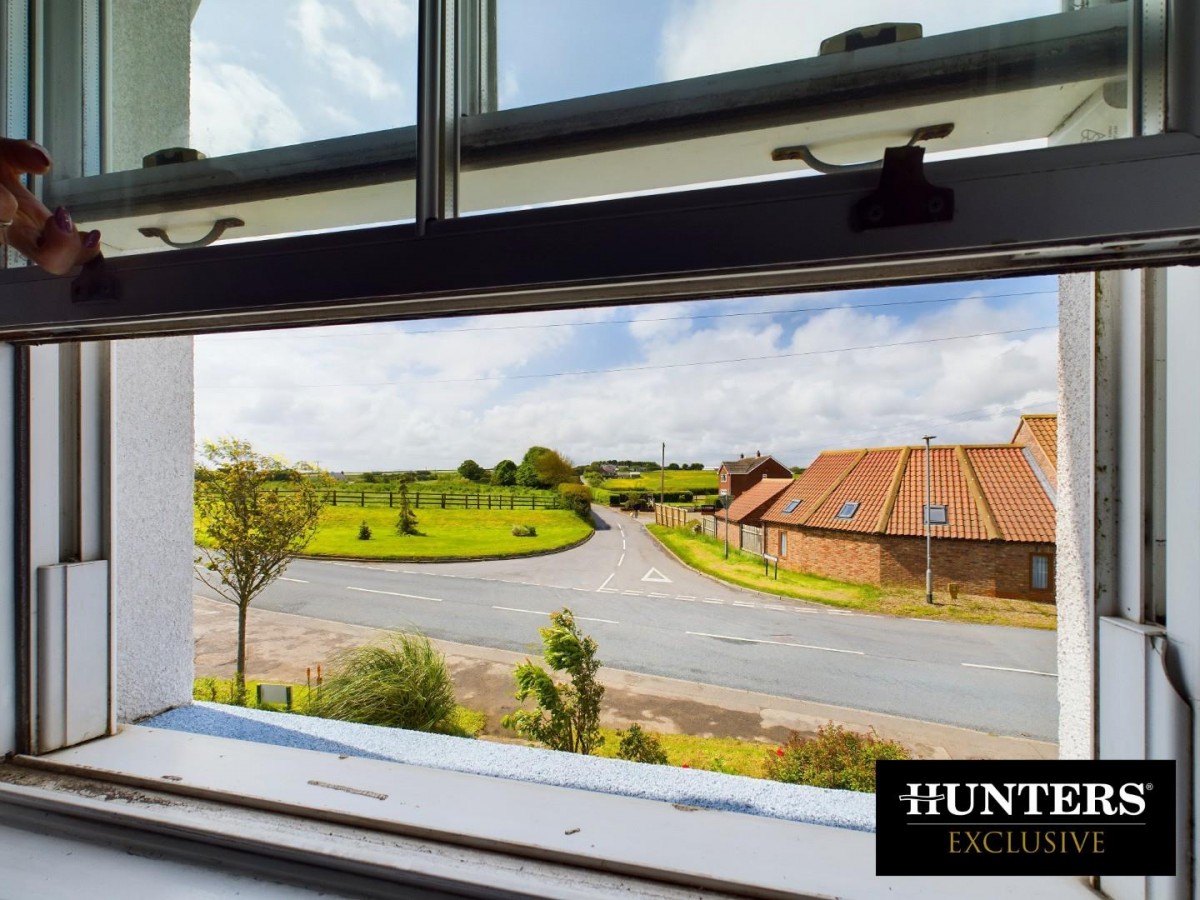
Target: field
x=697, y=482
x=443, y=483
x=445, y=533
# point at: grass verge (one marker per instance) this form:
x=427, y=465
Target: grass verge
x=746, y=570
x=465, y=722
x=727, y=755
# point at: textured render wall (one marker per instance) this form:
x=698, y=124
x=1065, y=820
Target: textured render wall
x=1075, y=573
x=152, y=392
x=152, y=523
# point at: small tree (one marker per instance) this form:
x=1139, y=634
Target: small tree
x=406, y=522
x=248, y=533
x=567, y=716
x=554, y=469
x=505, y=473
x=472, y=471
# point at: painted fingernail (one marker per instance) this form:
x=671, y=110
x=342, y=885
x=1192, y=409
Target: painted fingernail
x=91, y=240
x=62, y=219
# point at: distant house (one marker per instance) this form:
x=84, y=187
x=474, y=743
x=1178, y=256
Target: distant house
x=739, y=475
x=747, y=510
x=609, y=471
x=858, y=515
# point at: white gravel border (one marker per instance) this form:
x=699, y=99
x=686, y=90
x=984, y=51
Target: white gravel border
x=693, y=787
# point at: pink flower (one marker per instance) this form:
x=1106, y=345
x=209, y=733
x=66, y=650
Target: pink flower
x=686, y=766
x=779, y=751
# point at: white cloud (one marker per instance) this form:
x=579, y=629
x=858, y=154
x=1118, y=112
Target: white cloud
x=316, y=23
x=234, y=109
x=397, y=17
x=701, y=37
x=968, y=390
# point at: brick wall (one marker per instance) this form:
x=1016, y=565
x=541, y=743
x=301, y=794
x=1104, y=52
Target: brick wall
x=987, y=568
x=735, y=533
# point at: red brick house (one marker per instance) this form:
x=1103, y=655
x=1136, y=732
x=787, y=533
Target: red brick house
x=736, y=477
x=748, y=509
x=857, y=515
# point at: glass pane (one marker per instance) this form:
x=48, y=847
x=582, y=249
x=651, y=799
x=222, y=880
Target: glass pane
x=250, y=79
x=1041, y=573
x=718, y=91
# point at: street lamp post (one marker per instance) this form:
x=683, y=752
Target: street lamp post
x=928, y=541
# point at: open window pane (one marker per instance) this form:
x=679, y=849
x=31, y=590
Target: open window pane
x=718, y=91
x=199, y=92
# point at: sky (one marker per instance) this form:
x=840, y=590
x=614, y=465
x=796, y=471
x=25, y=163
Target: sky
x=788, y=375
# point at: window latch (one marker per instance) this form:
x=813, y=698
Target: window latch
x=219, y=227
x=904, y=195
x=95, y=281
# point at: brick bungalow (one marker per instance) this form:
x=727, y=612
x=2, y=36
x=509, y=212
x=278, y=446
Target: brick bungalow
x=736, y=477
x=857, y=515
x=748, y=509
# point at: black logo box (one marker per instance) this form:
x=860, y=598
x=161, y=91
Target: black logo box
x=1050, y=830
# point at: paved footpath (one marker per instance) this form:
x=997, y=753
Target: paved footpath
x=281, y=646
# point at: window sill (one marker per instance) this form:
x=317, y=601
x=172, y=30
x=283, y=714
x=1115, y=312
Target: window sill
x=725, y=852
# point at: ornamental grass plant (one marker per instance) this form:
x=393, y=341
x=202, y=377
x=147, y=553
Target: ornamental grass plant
x=401, y=682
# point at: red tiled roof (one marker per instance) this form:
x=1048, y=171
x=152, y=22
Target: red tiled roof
x=1044, y=430
x=990, y=492
x=755, y=499
x=948, y=486
x=867, y=484
x=810, y=487
x=1022, y=510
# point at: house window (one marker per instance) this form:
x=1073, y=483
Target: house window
x=935, y=514
x=791, y=507
x=849, y=508
x=1039, y=578
x=724, y=477
x=783, y=543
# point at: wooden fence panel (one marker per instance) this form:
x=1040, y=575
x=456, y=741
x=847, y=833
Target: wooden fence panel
x=752, y=539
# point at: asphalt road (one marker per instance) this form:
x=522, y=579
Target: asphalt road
x=651, y=614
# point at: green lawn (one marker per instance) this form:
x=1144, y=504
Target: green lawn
x=701, y=482
x=745, y=569
x=445, y=533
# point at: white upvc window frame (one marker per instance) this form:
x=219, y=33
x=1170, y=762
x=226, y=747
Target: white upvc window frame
x=644, y=248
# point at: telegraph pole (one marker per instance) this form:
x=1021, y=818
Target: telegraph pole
x=928, y=542
x=662, y=476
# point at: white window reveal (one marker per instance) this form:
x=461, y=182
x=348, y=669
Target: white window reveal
x=783, y=543
x=849, y=508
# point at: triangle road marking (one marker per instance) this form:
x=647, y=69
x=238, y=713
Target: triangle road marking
x=655, y=575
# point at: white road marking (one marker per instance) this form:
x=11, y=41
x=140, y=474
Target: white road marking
x=655, y=575
x=683, y=597
x=784, y=608
x=632, y=593
x=538, y=612
x=395, y=594
x=621, y=560
x=622, y=543
x=652, y=594
x=688, y=599
x=804, y=609
x=742, y=603
x=712, y=601
x=729, y=637
x=294, y=580
x=606, y=581
x=583, y=590
x=1007, y=669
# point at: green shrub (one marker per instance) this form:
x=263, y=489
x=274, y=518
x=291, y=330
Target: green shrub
x=524, y=531
x=578, y=499
x=638, y=746
x=400, y=683
x=835, y=758
x=567, y=716
x=364, y=531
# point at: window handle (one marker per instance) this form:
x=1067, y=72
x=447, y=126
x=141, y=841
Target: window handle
x=804, y=153
x=214, y=233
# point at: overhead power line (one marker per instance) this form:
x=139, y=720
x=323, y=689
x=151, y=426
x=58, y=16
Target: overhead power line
x=620, y=369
